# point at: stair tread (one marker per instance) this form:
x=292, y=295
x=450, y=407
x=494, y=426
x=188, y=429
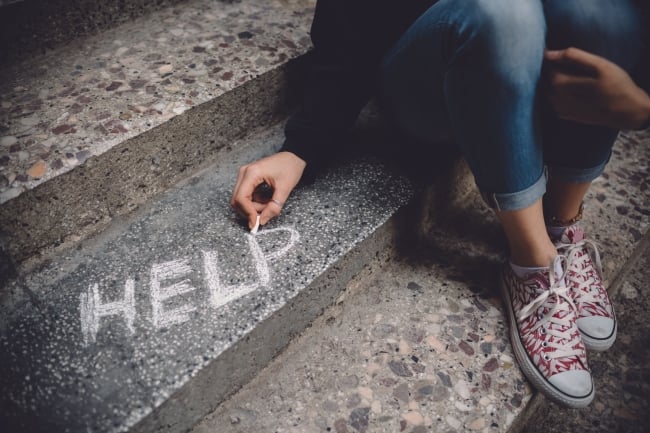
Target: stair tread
x=84, y=98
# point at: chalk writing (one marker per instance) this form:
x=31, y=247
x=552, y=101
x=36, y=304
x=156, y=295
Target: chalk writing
x=167, y=271
x=162, y=289
x=221, y=294
x=92, y=310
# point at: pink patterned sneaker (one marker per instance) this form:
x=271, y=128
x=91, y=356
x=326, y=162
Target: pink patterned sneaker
x=596, y=318
x=545, y=337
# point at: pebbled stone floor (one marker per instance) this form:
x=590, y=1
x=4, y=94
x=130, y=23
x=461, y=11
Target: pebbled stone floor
x=79, y=101
x=414, y=349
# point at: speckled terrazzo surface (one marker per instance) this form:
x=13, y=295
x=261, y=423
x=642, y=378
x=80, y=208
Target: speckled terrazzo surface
x=112, y=330
x=417, y=345
x=414, y=349
x=83, y=99
x=617, y=207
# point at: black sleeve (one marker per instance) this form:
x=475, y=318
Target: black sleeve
x=340, y=80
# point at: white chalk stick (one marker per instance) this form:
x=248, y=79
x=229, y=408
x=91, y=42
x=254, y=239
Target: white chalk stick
x=256, y=226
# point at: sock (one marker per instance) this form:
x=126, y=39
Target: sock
x=522, y=271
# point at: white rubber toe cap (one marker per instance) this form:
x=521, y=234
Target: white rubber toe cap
x=573, y=383
x=597, y=326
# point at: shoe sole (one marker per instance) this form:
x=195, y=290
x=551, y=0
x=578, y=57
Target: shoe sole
x=530, y=370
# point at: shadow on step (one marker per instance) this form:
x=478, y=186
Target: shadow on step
x=448, y=221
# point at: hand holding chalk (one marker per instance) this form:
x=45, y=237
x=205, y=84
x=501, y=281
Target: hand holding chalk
x=263, y=186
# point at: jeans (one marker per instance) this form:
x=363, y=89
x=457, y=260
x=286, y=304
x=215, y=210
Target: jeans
x=469, y=71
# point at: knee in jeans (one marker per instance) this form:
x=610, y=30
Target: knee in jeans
x=506, y=29
x=609, y=28
x=506, y=37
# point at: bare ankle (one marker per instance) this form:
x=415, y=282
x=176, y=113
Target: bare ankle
x=540, y=256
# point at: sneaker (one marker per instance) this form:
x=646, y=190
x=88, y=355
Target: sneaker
x=596, y=318
x=544, y=335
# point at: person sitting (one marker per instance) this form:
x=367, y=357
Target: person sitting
x=533, y=93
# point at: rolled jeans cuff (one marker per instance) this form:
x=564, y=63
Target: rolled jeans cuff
x=577, y=175
x=516, y=200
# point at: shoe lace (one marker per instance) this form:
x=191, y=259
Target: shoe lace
x=578, y=256
x=553, y=308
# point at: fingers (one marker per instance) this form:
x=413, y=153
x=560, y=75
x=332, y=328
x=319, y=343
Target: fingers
x=569, y=94
x=248, y=179
x=274, y=207
x=576, y=60
x=573, y=55
x=562, y=81
x=241, y=200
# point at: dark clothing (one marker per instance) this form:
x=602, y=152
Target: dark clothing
x=350, y=38
x=349, y=42
x=641, y=73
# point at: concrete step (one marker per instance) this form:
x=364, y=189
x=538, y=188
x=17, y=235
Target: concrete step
x=93, y=129
x=418, y=342
x=151, y=324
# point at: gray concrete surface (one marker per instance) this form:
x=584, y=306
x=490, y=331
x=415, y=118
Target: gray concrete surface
x=150, y=325
x=448, y=366
x=85, y=200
